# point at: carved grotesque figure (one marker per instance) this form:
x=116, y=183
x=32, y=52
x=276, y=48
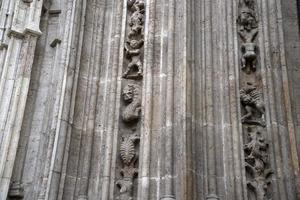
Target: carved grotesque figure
x=256, y=150
x=256, y=156
x=249, y=57
x=126, y=189
x=247, y=19
x=128, y=172
x=136, y=5
x=136, y=23
x=248, y=25
x=133, y=52
x=251, y=100
x=132, y=96
x=249, y=3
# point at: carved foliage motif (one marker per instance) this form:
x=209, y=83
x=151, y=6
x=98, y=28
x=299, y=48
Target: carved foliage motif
x=128, y=172
x=132, y=98
x=256, y=147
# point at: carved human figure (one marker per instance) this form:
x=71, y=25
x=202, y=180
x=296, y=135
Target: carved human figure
x=132, y=96
x=136, y=24
x=248, y=25
x=253, y=104
x=133, y=52
x=249, y=57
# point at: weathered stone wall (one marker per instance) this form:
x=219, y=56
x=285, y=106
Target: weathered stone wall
x=149, y=99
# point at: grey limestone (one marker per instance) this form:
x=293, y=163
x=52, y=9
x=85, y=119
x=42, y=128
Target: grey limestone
x=149, y=99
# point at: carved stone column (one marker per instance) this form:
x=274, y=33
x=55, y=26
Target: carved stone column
x=18, y=40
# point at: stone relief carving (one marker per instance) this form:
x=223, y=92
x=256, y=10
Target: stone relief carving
x=132, y=96
x=135, y=40
x=252, y=101
x=136, y=21
x=249, y=56
x=257, y=164
x=128, y=172
x=248, y=31
x=248, y=24
x=133, y=53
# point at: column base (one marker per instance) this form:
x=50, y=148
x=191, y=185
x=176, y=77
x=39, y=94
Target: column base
x=16, y=191
x=212, y=197
x=167, y=197
x=82, y=197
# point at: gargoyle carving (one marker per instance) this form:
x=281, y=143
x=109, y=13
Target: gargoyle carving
x=253, y=104
x=132, y=96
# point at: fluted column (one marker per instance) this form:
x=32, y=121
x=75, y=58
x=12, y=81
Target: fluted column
x=217, y=143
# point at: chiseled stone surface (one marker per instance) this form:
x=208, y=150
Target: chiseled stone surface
x=149, y=99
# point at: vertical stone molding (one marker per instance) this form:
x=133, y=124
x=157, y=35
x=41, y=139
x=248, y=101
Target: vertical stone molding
x=256, y=144
x=148, y=100
x=265, y=103
x=131, y=108
x=18, y=42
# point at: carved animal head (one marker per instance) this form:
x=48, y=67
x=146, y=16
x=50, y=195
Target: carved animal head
x=134, y=44
x=130, y=92
x=249, y=47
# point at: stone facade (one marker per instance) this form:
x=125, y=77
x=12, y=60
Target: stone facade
x=149, y=99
